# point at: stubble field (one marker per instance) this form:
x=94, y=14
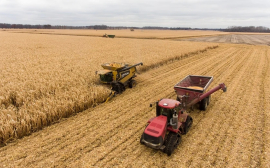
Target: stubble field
x=232, y=132
x=241, y=38
x=48, y=77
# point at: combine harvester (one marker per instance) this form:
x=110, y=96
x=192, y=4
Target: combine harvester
x=118, y=75
x=164, y=131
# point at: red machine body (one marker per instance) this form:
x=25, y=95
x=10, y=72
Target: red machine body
x=164, y=131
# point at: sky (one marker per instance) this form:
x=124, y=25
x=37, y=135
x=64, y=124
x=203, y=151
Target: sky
x=139, y=13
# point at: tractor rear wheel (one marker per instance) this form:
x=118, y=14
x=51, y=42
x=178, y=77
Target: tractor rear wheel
x=172, y=142
x=203, y=104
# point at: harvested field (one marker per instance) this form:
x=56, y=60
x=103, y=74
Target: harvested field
x=259, y=39
x=46, y=78
x=233, y=132
x=125, y=33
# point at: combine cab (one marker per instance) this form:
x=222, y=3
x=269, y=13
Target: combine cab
x=118, y=75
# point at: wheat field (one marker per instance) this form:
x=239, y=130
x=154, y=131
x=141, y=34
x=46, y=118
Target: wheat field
x=45, y=78
x=232, y=132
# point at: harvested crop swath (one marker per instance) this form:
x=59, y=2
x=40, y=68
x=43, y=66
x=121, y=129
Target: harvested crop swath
x=46, y=78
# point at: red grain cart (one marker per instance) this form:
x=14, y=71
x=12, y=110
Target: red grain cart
x=191, y=90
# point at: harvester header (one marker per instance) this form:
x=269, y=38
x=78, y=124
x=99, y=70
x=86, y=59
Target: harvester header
x=118, y=75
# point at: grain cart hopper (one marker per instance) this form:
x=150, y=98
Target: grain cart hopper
x=118, y=75
x=172, y=120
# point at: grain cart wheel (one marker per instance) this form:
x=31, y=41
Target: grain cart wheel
x=203, y=104
x=173, y=141
x=188, y=124
x=208, y=99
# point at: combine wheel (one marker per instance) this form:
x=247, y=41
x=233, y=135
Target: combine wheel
x=171, y=142
x=188, y=124
x=203, y=104
x=131, y=83
x=118, y=87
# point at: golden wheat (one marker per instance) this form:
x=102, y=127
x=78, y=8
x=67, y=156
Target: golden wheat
x=48, y=77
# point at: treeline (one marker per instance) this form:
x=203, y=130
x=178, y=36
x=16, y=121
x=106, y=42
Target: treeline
x=166, y=28
x=105, y=27
x=248, y=29
x=96, y=27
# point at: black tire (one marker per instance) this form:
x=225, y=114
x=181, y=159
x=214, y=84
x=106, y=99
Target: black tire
x=188, y=124
x=130, y=83
x=141, y=139
x=122, y=87
x=172, y=141
x=177, y=98
x=203, y=104
x=208, y=99
x=118, y=87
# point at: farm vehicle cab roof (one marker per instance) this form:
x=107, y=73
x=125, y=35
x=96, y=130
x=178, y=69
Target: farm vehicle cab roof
x=168, y=103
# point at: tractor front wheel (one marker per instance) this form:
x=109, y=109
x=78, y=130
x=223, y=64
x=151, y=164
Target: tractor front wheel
x=172, y=142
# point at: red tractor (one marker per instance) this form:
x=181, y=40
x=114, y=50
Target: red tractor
x=164, y=131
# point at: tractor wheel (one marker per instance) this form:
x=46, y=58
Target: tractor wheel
x=208, y=99
x=173, y=141
x=188, y=124
x=203, y=104
x=141, y=139
x=177, y=98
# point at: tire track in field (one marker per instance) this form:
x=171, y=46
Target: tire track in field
x=227, y=119
x=264, y=107
x=203, y=134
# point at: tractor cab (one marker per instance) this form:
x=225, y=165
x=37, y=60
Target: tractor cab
x=167, y=107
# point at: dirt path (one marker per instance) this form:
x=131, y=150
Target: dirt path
x=233, y=131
